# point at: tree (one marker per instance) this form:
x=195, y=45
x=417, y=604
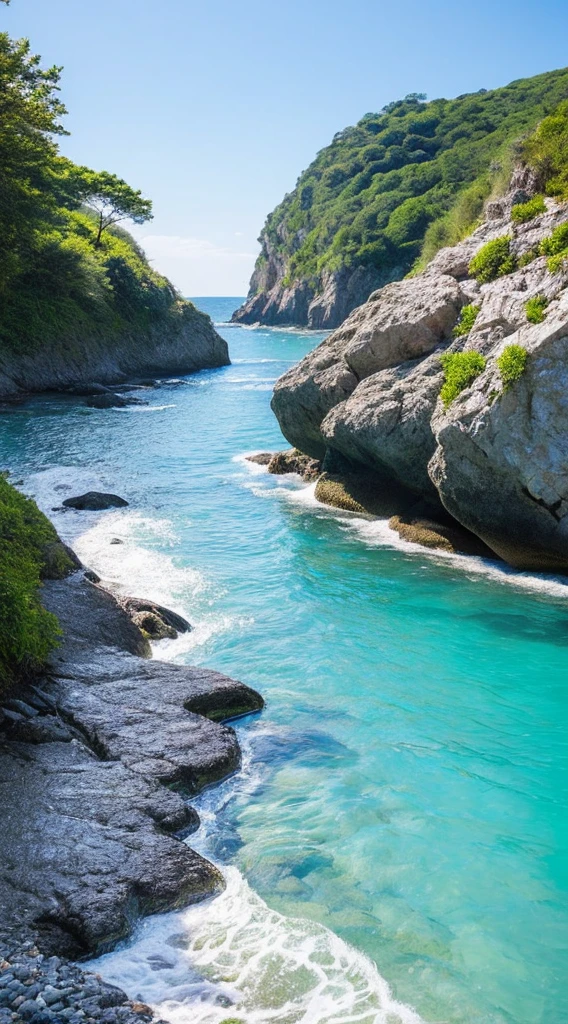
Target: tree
x=30, y=113
x=110, y=197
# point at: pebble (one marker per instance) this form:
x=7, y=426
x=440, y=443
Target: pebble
x=49, y=990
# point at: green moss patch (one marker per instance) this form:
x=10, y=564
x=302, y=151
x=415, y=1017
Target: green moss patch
x=512, y=364
x=535, y=309
x=493, y=260
x=522, y=212
x=460, y=370
x=468, y=316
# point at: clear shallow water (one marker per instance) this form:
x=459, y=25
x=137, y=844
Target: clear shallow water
x=401, y=814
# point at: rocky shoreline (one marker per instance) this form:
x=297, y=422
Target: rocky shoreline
x=188, y=342
x=98, y=759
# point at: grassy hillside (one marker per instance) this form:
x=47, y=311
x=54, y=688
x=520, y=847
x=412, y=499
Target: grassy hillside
x=394, y=188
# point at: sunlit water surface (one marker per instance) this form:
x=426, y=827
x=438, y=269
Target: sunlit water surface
x=401, y=813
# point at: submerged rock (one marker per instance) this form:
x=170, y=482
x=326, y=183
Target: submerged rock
x=294, y=461
x=95, y=501
x=137, y=605
x=430, y=533
x=109, y=400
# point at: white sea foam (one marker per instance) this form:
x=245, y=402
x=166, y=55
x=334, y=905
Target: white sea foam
x=144, y=408
x=234, y=957
x=138, y=566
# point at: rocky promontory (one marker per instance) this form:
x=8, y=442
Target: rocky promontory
x=451, y=384
x=98, y=758
x=184, y=342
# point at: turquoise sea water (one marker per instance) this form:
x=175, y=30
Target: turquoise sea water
x=405, y=787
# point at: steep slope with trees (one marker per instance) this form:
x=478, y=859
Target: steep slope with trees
x=78, y=297
x=386, y=195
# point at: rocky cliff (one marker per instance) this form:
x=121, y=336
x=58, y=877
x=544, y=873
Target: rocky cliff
x=493, y=454
x=183, y=342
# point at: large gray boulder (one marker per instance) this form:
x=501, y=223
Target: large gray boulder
x=385, y=424
x=402, y=321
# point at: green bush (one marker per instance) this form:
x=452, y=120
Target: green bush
x=535, y=309
x=29, y=550
x=512, y=364
x=521, y=212
x=493, y=260
x=556, y=248
x=468, y=316
x=460, y=370
x=547, y=151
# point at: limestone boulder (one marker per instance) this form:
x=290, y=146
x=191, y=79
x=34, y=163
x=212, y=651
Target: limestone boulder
x=501, y=461
x=402, y=321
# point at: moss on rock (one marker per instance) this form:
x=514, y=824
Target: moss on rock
x=363, y=493
x=438, y=536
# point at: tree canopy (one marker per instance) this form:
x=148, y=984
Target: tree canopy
x=65, y=264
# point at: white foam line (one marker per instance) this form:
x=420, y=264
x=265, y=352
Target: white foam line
x=378, y=534
x=145, y=408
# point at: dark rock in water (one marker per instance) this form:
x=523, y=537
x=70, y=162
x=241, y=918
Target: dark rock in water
x=89, y=613
x=261, y=459
x=293, y=461
x=88, y=390
x=110, y=400
x=135, y=605
x=95, y=501
x=91, y=576
x=153, y=626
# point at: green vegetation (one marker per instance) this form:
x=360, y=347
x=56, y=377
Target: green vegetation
x=460, y=370
x=468, y=316
x=512, y=364
x=523, y=212
x=556, y=248
x=535, y=309
x=493, y=260
x=391, y=190
x=30, y=551
x=66, y=269
x=547, y=151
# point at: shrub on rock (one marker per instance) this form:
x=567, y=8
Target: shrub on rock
x=460, y=370
x=493, y=260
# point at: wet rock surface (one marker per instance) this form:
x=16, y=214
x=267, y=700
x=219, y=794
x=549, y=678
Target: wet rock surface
x=95, y=501
x=87, y=841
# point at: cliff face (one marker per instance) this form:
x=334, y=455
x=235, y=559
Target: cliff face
x=320, y=304
x=495, y=456
x=387, y=192
x=184, y=342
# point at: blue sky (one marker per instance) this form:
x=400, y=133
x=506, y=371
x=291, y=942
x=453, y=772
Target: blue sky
x=213, y=109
